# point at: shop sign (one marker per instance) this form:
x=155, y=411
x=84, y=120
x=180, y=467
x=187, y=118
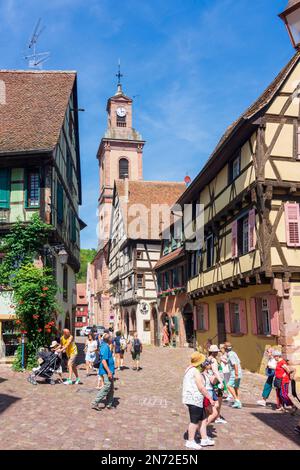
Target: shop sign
x=6, y=303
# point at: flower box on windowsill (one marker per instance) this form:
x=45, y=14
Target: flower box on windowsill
x=171, y=292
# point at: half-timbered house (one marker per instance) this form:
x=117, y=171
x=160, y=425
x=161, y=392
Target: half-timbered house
x=134, y=250
x=174, y=306
x=244, y=281
x=40, y=170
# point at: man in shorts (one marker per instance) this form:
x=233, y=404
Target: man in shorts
x=69, y=347
x=136, y=349
x=235, y=370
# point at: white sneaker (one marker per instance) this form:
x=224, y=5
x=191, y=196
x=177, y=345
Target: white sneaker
x=229, y=398
x=192, y=445
x=261, y=403
x=207, y=442
x=220, y=421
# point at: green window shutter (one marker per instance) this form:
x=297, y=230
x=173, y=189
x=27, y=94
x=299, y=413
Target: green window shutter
x=72, y=226
x=4, y=188
x=60, y=203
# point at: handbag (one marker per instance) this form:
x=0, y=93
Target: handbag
x=277, y=382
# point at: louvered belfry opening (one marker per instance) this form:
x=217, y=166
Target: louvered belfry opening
x=123, y=168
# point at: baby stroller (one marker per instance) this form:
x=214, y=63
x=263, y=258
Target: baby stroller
x=49, y=363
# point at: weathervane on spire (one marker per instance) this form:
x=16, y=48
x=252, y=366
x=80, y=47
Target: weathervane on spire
x=119, y=75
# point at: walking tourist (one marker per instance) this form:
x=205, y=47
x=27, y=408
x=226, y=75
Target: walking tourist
x=136, y=350
x=270, y=373
x=123, y=349
x=107, y=370
x=225, y=370
x=117, y=350
x=220, y=385
x=69, y=347
x=209, y=380
x=90, y=350
x=235, y=370
x=281, y=384
x=166, y=335
x=193, y=394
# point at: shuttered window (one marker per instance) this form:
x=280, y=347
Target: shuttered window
x=234, y=240
x=123, y=168
x=72, y=226
x=33, y=189
x=60, y=204
x=4, y=188
x=251, y=228
x=292, y=223
x=265, y=315
x=202, y=317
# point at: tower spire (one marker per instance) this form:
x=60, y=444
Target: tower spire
x=119, y=75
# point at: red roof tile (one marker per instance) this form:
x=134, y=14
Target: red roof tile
x=149, y=193
x=32, y=108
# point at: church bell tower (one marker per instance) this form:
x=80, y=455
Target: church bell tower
x=120, y=153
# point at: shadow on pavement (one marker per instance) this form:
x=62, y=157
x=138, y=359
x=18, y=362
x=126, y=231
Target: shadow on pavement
x=6, y=401
x=282, y=423
x=2, y=380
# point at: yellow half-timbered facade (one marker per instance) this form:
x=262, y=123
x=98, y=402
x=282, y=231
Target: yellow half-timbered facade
x=244, y=281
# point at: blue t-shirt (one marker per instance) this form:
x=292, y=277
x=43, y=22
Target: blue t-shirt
x=105, y=353
x=117, y=343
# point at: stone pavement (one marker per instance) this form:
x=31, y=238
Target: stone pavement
x=149, y=413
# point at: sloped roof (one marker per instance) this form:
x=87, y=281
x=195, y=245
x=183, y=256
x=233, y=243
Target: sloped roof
x=170, y=257
x=32, y=108
x=148, y=194
x=250, y=114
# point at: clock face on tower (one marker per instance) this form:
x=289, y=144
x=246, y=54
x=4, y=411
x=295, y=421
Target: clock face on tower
x=121, y=112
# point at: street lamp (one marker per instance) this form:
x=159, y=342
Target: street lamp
x=291, y=17
x=63, y=256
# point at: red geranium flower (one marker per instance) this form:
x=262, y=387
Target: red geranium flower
x=18, y=322
x=45, y=288
x=39, y=330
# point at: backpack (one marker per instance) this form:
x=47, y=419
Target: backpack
x=136, y=346
x=123, y=344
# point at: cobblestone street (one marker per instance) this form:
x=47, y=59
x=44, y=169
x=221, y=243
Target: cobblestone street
x=149, y=413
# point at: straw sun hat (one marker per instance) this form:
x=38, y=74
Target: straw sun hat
x=197, y=359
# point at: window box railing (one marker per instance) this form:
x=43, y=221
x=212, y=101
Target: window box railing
x=173, y=291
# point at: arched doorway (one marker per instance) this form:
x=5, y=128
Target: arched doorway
x=156, y=338
x=187, y=315
x=133, y=320
x=126, y=319
x=67, y=321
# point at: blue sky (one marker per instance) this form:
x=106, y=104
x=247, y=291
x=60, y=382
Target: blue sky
x=194, y=64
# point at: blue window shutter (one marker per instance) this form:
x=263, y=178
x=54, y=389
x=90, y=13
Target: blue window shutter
x=60, y=203
x=4, y=188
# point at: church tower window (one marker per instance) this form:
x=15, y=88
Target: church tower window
x=123, y=168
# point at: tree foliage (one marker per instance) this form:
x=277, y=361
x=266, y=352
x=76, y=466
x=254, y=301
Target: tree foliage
x=86, y=256
x=34, y=288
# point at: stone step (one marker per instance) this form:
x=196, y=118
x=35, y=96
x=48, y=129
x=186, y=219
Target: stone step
x=7, y=360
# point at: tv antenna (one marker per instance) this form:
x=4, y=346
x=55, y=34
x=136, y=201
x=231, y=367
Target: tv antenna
x=36, y=59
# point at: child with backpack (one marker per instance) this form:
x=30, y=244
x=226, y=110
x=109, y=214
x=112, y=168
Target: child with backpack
x=136, y=350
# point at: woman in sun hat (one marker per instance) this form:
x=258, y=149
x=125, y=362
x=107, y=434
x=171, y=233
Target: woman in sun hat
x=193, y=394
x=220, y=385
